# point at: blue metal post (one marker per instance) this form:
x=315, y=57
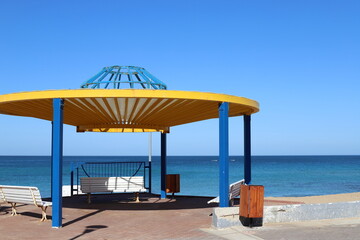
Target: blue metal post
x=150, y=159
x=224, y=154
x=163, y=165
x=56, y=159
x=247, y=149
x=72, y=178
x=150, y=178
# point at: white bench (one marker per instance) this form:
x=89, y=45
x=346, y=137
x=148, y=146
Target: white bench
x=133, y=184
x=234, y=191
x=23, y=195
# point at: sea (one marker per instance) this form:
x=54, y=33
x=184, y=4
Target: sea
x=199, y=175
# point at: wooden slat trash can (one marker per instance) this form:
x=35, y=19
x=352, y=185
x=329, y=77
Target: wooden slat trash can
x=251, y=205
x=173, y=183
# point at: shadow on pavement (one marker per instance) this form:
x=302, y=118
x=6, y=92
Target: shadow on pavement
x=89, y=229
x=126, y=202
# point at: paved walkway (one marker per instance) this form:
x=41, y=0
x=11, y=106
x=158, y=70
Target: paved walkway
x=114, y=217
x=117, y=216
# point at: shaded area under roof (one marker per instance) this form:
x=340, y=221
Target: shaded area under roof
x=125, y=110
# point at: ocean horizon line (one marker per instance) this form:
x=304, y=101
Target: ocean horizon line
x=275, y=155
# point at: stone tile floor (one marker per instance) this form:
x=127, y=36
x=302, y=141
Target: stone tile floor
x=114, y=216
x=117, y=216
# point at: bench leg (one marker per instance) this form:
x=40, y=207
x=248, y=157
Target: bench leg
x=89, y=198
x=137, y=197
x=13, y=209
x=43, y=213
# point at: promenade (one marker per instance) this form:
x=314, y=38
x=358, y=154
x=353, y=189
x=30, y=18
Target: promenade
x=117, y=216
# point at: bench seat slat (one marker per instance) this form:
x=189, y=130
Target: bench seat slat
x=15, y=194
x=19, y=191
x=23, y=200
x=24, y=197
x=46, y=204
x=17, y=187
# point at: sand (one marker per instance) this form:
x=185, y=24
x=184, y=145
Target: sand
x=345, y=197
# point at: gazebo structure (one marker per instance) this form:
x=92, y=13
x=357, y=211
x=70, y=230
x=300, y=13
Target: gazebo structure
x=100, y=106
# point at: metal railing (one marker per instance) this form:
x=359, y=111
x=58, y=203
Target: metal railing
x=109, y=169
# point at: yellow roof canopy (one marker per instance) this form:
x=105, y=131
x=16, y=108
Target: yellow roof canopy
x=125, y=110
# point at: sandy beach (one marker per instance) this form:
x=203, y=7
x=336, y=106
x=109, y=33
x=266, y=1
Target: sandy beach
x=345, y=197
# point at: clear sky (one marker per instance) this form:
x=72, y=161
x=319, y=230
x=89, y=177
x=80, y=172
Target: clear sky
x=299, y=59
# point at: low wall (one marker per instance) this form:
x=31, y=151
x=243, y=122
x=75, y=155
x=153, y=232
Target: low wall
x=228, y=217
x=66, y=190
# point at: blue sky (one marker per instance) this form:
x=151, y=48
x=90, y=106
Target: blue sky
x=299, y=59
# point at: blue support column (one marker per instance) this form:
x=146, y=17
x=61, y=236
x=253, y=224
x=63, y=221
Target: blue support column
x=224, y=154
x=150, y=160
x=163, y=165
x=247, y=149
x=56, y=160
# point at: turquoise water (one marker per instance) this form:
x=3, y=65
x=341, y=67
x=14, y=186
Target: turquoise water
x=281, y=175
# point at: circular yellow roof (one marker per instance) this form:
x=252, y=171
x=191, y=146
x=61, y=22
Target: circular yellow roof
x=125, y=110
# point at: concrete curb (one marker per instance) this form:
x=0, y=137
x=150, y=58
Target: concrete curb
x=228, y=217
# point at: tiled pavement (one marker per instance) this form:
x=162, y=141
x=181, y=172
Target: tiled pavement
x=119, y=217
x=114, y=217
